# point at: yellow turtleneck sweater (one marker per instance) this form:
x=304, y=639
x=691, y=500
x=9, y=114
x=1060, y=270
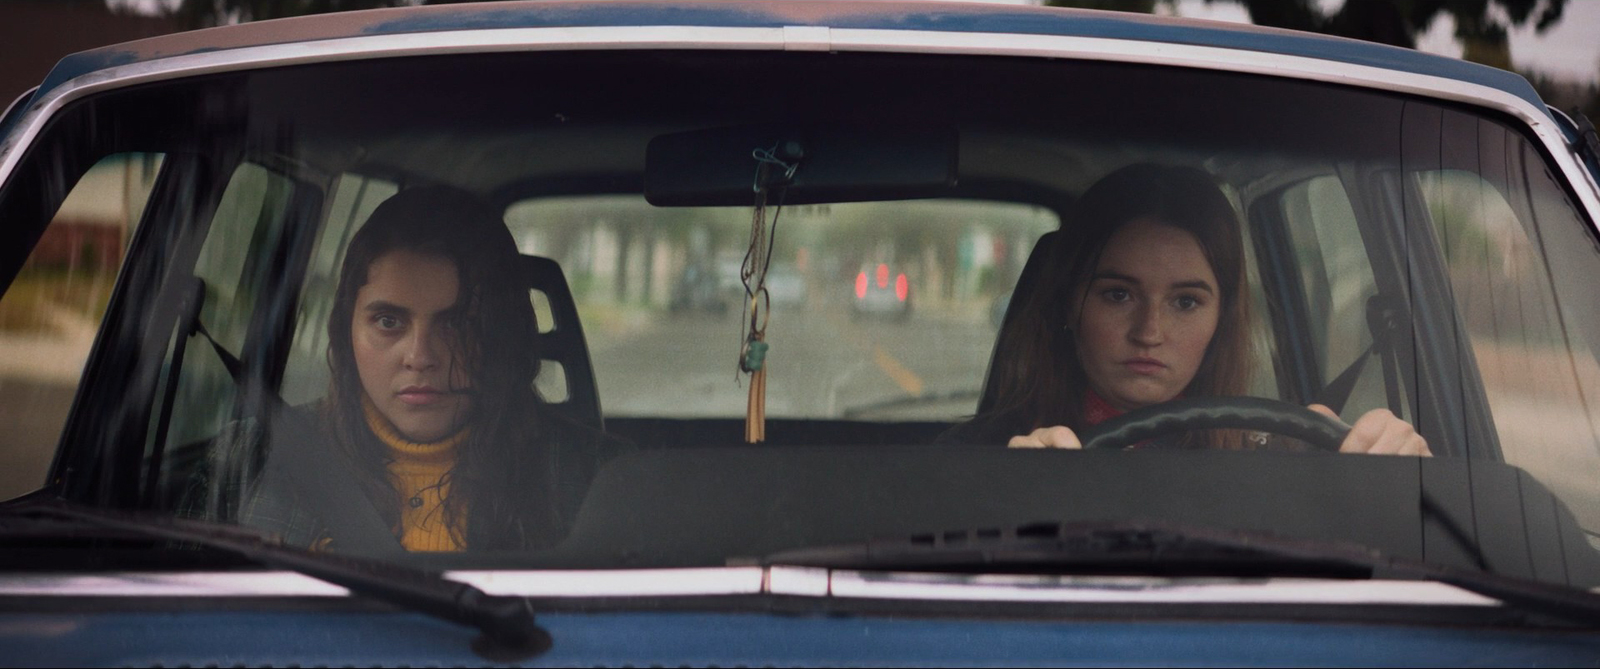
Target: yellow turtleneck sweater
x=421, y=473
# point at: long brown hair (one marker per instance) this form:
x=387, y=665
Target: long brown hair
x=1039, y=372
x=503, y=482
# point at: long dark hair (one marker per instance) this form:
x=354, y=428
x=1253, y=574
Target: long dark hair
x=501, y=486
x=1039, y=373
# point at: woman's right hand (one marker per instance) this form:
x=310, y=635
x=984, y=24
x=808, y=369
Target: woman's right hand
x=1055, y=436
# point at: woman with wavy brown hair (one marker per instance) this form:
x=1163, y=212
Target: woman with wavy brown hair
x=1142, y=299
x=431, y=415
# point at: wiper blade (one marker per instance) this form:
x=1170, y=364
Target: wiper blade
x=1155, y=545
x=509, y=629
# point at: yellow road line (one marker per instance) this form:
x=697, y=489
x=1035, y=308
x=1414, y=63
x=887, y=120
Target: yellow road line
x=899, y=373
x=905, y=378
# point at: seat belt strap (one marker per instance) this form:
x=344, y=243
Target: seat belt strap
x=1380, y=323
x=1337, y=392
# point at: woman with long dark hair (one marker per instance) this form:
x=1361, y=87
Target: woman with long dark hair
x=1143, y=299
x=431, y=415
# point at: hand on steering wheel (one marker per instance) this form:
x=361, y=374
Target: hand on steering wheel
x=1377, y=432
x=1380, y=432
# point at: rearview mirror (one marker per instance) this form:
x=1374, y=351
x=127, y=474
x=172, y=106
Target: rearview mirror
x=811, y=164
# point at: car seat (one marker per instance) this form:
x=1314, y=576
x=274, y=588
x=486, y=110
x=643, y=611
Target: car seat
x=1027, y=283
x=566, y=377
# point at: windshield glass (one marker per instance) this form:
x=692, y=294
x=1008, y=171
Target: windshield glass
x=523, y=319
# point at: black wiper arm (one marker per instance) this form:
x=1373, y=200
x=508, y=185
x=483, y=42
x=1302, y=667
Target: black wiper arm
x=510, y=632
x=1058, y=546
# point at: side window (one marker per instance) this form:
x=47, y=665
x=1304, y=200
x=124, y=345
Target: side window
x=232, y=266
x=1339, y=289
x=230, y=262
x=52, y=310
x=1507, y=234
x=353, y=199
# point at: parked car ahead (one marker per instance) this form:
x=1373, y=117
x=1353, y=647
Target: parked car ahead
x=880, y=293
x=1420, y=238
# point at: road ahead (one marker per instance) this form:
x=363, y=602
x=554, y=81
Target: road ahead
x=822, y=364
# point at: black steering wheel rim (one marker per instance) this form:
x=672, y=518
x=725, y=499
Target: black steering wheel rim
x=1218, y=413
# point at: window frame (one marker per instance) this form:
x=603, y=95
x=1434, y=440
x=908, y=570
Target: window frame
x=263, y=354
x=1406, y=267
x=123, y=370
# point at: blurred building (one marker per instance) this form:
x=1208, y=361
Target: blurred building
x=34, y=34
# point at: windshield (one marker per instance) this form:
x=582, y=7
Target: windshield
x=681, y=320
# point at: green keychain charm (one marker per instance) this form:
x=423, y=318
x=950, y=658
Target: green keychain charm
x=755, y=355
x=754, y=362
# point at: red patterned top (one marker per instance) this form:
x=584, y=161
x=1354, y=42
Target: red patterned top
x=1097, y=410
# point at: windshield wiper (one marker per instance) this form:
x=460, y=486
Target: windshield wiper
x=1154, y=546
x=509, y=630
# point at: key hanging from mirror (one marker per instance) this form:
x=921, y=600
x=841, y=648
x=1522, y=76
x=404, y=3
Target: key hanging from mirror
x=771, y=171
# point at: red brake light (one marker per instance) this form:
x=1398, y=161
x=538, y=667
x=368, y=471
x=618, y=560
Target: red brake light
x=883, y=275
x=900, y=287
x=861, y=285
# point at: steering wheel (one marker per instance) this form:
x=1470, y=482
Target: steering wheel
x=1218, y=413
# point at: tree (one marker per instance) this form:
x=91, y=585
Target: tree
x=206, y=13
x=1483, y=34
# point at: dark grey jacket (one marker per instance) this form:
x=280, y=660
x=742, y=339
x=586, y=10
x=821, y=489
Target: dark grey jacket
x=288, y=480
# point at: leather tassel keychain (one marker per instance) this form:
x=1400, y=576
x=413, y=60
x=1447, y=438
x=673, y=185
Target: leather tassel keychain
x=754, y=362
x=753, y=273
x=753, y=355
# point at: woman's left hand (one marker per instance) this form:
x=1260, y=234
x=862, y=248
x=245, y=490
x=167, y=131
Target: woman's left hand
x=1380, y=432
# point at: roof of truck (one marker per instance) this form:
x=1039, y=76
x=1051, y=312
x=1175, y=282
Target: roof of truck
x=917, y=16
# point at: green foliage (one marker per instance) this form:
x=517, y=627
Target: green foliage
x=1566, y=95
x=1142, y=6
x=206, y=13
x=1481, y=25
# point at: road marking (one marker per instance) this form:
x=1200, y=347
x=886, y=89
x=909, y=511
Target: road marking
x=892, y=367
x=905, y=378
